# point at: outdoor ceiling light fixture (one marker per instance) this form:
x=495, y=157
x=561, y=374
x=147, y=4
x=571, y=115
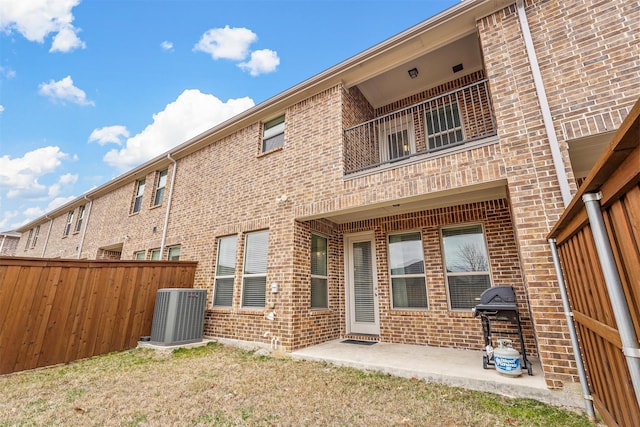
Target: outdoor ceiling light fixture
x=413, y=73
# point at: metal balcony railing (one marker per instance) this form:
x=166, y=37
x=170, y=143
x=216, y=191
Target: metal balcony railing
x=455, y=118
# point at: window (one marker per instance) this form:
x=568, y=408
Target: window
x=443, y=127
x=162, y=183
x=139, y=256
x=155, y=254
x=80, y=218
x=254, y=277
x=319, y=275
x=174, y=253
x=137, y=200
x=406, y=264
x=466, y=265
x=225, y=271
x=28, y=239
x=273, y=134
x=35, y=237
x=398, y=141
x=67, y=227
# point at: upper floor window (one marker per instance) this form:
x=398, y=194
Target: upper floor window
x=162, y=183
x=443, y=126
x=28, y=239
x=67, y=227
x=398, y=137
x=80, y=218
x=319, y=273
x=137, y=200
x=466, y=265
x=254, y=277
x=35, y=237
x=155, y=254
x=139, y=256
x=225, y=271
x=174, y=253
x=273, y=134
x=406, y=265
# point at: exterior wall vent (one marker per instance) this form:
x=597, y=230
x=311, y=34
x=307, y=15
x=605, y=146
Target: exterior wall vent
x=178, y=317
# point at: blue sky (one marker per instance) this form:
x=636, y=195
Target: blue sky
x=90, y=89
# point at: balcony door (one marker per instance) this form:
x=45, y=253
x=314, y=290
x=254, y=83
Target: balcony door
x=397, y=138
x=361, y=284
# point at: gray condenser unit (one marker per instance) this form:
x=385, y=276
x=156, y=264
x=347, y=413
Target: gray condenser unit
x=178, y=317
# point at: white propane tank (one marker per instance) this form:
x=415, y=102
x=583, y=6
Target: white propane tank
x=507, y=359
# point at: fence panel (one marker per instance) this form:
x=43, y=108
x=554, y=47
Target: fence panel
x=57, y=311
x=617, y=177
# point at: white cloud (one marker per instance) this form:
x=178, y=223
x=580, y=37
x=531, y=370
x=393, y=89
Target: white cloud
x=262, y=61
x=7, y=72
x=19, y=176
x=166, y=45
x=35, y=212
x=36, y=19
x=190, y=114
x=109, y=135
x=226, y=43
x=64, y=90
x=65, y=179
x=6, y=217
x=1, y=108
x=67, y=40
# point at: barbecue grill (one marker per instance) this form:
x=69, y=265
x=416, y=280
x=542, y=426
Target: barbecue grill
x=498, y=305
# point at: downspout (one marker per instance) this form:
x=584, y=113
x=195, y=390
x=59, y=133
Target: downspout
x=544, y=106
x=84, y=229
x=4, y=237
x=582, y=374
x=166, y=216
x=46, y=240
x=630, y=346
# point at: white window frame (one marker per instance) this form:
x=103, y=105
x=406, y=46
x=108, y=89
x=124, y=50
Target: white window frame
x=137, y=257
x=171, y=253
x=81, y=210
x=421, y=275
x=446, y=130
x=249, y=251
x=273, y=130
x=395, y=125
x=158, y=196
x=231, y=255
x=449, y=275
x=67, y=227
x=319, y=277
x=153, y=256
x=27, y=246
x=137, y=198
x=36, y=233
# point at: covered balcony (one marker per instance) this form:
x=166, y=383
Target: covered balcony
x=453, y=119
x=425, y=106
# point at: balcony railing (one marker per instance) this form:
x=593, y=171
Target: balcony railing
x=455, y=118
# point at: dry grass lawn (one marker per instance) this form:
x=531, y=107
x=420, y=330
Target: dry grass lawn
x=224, y=386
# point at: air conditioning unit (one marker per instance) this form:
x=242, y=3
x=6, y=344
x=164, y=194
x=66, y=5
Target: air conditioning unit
x=178, y=317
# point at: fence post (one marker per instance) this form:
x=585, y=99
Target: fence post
x=586, y=393
x=614, y=288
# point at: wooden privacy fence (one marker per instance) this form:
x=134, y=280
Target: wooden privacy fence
x=57, y=311
x=608, y=360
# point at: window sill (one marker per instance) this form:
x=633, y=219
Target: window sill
x=155, y=206
x=320, y=311
x=266, y=153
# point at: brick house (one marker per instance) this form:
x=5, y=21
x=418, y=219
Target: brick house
x=380, y=197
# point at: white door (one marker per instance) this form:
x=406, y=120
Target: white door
x=361, y=284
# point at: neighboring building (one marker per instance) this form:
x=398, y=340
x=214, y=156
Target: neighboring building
x=9, y=243
x=381, y=197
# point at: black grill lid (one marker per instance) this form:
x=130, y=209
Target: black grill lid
x=497, y=298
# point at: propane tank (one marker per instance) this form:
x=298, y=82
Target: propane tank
x=507, y=359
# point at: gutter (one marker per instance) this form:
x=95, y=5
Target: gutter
x=166, y=216
x=84, y=229
x=544, y=106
